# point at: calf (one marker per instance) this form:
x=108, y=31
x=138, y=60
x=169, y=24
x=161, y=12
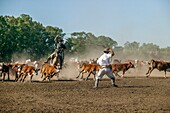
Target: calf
x=160, y=65
x=4, y=69
x=48, y=71
x=90, y=68
x=16, y=69
x=121, y=67
x=27, y=71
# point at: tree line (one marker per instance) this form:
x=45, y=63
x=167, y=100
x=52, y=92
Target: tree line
x=23, y=36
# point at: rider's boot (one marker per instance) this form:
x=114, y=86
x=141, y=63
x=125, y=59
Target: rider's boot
x=61, y=64
x=113, y=82
x=96, y=83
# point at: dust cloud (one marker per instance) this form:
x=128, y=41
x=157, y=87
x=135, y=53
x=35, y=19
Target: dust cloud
x=70, y=68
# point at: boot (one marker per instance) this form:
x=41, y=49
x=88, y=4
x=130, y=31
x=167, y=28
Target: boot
x=113, y=82
x=96, y=83
x=61, y=64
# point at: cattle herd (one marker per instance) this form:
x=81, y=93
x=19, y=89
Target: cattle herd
x=21, y=70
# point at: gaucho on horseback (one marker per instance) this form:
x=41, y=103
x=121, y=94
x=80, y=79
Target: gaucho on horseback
x=57, y=57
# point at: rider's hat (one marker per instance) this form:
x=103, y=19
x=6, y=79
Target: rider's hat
x=106, y=50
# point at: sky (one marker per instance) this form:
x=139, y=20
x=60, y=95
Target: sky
x=143, y=21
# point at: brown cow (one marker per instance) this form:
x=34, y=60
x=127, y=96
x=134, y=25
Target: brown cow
x=48, y=71
x=160, y=65
x=16, y=69
x=121, y=67
x=27, y=71
x=90, y=68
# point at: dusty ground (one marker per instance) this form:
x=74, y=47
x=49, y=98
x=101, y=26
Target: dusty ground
x=134, y=95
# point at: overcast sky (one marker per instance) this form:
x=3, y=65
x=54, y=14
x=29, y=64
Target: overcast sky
x=143, y=21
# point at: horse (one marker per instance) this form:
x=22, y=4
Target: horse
x=56, y=60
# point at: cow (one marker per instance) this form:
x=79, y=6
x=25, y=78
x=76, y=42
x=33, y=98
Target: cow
x=48, y=71
x=121, y=67
x=43, y=69
x=27, y=71
x=90, y=68
x=4, y=69
x=32, y=63
x=93, y=61
x=160, y=65
x=16, y=69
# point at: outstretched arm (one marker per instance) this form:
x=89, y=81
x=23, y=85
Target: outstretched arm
x=57, y=36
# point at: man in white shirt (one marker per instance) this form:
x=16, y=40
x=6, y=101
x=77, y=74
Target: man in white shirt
x=105, y=62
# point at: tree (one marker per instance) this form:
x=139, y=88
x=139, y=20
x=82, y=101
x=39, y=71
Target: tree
x=165, y=53
x=23, y=35
x=150, y=51
x=131, y=47
x=106, y=42
x=82, y=44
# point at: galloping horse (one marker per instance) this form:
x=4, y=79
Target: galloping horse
x=56, y=60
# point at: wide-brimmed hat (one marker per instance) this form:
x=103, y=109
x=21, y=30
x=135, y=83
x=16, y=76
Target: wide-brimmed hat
x=106, y=50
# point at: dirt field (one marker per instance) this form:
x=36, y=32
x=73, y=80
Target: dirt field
x=134, y=95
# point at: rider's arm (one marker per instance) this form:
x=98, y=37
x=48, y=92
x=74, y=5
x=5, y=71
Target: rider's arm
x=56, y=39
x=111, y=51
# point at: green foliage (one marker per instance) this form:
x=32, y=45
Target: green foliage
x=145, y=51
x=81, y=42
x=23, y=36
x=165, y=53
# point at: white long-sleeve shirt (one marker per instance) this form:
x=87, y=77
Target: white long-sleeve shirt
x=105, y=59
